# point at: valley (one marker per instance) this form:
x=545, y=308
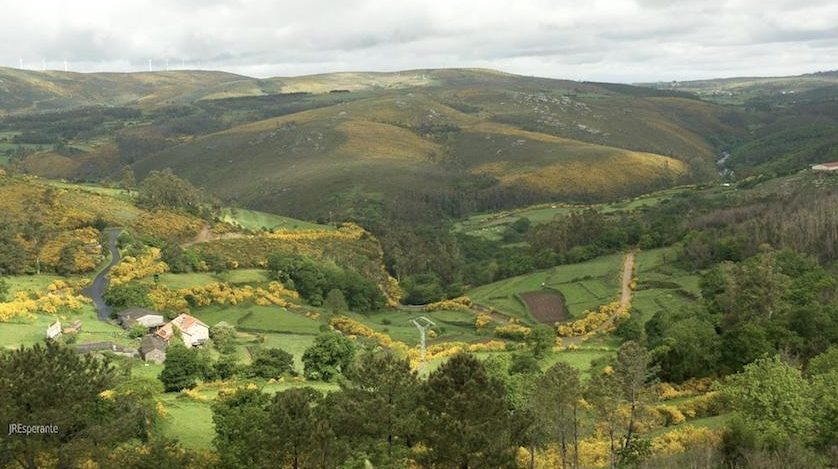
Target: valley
x=212, y=250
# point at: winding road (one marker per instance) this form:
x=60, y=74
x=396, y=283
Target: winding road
x=96, y=290
x=625, y=299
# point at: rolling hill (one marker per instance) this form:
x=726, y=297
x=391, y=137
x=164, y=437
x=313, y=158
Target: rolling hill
x=412, y=145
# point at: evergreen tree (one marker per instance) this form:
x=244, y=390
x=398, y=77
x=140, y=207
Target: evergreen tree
x=465, y=422
x=290, y=430
x=383, y=386
x=556, y=408
x=239, y=419
x=54, y=385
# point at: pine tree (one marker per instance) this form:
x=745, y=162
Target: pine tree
x=465, y=418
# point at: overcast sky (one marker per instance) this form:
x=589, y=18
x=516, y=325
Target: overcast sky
x=604, y=40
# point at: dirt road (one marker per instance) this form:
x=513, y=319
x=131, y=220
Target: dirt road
x=625, y=299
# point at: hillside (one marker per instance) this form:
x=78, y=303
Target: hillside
x=408, y=145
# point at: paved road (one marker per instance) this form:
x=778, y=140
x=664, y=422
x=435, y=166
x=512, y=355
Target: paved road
x=96, y=290
x=625, y=299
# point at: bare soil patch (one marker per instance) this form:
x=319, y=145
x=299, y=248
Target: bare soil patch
x=545, y=307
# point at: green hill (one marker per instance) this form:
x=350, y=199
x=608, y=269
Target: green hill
x=409, y=145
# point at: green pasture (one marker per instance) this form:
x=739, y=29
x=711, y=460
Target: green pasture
x=254, y=220
x=585, y=286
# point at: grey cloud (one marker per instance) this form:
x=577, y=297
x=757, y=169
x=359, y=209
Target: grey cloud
x=617, y=40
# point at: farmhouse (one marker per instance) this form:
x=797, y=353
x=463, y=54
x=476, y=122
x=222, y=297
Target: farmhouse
x=148, y=318
x=832, y=166
x=153, y=349
x=192, y=331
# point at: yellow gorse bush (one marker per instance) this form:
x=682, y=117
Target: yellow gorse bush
x=590, y=322
x=60, y=296
x=457, y=304
x=482, y=320
x=219, y=293
x=130, y=267
x=352, y=327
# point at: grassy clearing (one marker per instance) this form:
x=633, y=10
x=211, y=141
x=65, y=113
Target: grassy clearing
x=661, y=286
x=492, y=225
x=455, y=326
x=259, y=318
x=255, y=220
x=584, y=286
x=189, y=422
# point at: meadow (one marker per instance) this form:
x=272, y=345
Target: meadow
x=586, y=285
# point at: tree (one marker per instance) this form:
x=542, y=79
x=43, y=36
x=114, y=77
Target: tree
x=825, y=396
x=773, y=399
x=541, y=339
x=742, y=345
x=13, y=257
x=290, y=430
x=162, y=189
x=633, y=372
x=603, y=393
x=464, y=417
x=271, y=363
x=329, y=356
x=556, y=407
x=382, y=385
x=690, y=349
x=54, y=385
x=239, y=419
x=128, y=180
x=223, y=337
x=182, y=368
x=67, y=258
x=754, y=290
x=335, y=302
x=4, y=290
x=124, y=295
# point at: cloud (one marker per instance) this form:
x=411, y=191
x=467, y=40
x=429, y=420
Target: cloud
x=615, y=40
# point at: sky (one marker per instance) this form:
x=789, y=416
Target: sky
x=599, y=40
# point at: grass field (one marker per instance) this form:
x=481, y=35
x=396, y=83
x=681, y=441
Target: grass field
x=584, y=286
x=662, y=286
x=254, y=220
x=493, y=225
x=259, y=318
x=197, y=279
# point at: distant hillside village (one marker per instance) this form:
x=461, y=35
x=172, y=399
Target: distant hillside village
x=156, y=334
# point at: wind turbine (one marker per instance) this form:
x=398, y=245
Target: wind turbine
x=20, y=62
x=149, y=65
x=43, y=64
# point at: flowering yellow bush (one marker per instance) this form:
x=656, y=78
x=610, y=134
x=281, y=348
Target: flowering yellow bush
x=590, y=322
x=161, y=410
x=678, y=441
x=352, y=327
x=193, y=395
x=457, y=304
x=164, y=298
x=482, y=320
x=706, y=405
x=130, y=267
x=60, y=296
x=86, y=258
x=513, y=331
x=671, y=415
